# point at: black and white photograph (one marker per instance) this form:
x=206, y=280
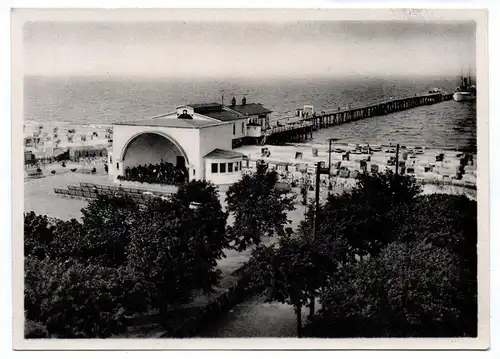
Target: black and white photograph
x=214, y=174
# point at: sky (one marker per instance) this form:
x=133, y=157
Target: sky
x=248, y=49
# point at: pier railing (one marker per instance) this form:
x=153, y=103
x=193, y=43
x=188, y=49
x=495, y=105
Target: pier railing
x=303, y=129
x=437, y=96
x=288, y=127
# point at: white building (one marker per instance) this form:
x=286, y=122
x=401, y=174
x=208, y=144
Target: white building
x=199, y=137
x=256, y=121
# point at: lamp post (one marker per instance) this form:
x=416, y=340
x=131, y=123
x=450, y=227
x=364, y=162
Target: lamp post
x=329, y=164
x=397, y=159
x=319, y=171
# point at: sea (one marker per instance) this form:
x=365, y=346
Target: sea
x=104, y=100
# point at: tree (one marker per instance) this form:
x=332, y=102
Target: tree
x=100, y=239
x=291, y=272
x=405, y=264
x=108, y=222
x=387, y=186
x=38, y=235
x=204, y=224
x=408, y=290
x=75, y=300
x=122, y=259
x=259, y=208
x=449, y=222
x=422, y=281
x=68, y=242
x=177, y=243
x=358, y=222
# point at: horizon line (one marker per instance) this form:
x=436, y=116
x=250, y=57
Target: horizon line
x=241, y=76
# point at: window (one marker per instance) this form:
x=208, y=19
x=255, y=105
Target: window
x=240, y=164
x=230, y=167
x=215, y=167
x=222, y=168
x=234, y=128
x=243, y=127
x=117, y=165
x=236, y=166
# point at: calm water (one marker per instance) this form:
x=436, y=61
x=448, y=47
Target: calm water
x=106, y=100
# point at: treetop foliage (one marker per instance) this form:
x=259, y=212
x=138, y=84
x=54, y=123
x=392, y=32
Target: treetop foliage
x=82, y=279
x=386, y=261
x=260, y=209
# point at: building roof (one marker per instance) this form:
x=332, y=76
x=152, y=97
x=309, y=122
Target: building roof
x=201, y=106
x=224, y=115
x=205, y=114
x=220, y=154
x=215, y=110
x=250, y=109
x=171, y=120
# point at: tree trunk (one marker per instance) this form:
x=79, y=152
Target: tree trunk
x=312, y=307
x=163, y=312
x=298, y=312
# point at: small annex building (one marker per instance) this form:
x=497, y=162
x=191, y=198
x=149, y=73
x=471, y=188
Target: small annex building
x=198, y=137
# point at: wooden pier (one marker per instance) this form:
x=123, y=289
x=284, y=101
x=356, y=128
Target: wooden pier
x=298, y=132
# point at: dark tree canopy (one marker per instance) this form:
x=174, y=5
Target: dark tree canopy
x=290, y=272
x=358, y=222
x=75, y=300
x=38, y=235
x=122, y=259
x=408, y=290
x=177, y=245
x=420, y=278
x=259, y=208
x=386, y=262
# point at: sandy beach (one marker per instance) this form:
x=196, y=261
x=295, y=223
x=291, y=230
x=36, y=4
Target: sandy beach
x=42, y=139
x=301, y=156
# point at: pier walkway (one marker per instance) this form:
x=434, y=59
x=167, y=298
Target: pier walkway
x=303, y=129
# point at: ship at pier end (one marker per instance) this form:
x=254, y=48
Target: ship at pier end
x=465, y=91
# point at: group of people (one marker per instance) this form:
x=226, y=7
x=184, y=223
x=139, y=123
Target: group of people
x=161, y=173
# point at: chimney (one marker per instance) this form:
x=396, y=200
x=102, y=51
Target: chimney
x=243, y=101
x=233, y=102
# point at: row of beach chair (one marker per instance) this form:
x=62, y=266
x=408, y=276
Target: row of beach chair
x=91, y=191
